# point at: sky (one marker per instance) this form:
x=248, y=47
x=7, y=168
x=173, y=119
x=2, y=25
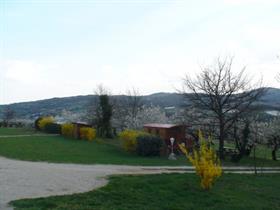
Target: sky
x=57, y=48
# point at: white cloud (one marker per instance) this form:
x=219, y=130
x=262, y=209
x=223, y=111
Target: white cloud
x=264, y=35
x=23, y=71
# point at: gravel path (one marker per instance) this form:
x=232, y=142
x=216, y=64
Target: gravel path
x=23, y=179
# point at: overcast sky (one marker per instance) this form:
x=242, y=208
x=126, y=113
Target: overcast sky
x=56, y=48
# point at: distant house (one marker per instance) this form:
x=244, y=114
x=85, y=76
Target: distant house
x=77, y=126
x=169, y=111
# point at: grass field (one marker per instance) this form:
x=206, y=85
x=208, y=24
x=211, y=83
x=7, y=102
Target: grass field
x=101, y=151
x=169, y=192
x=262, y=151
x=16, y=131
x=59, y=149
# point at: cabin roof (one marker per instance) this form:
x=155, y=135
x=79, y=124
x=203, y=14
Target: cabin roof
x=81, y=123
x=160, y=125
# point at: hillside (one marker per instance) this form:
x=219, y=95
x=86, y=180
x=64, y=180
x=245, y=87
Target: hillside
x=76, y=104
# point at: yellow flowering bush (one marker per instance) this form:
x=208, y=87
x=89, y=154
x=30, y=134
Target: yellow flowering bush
x=44, y=121
x=67, y=130
x=206, y=163
x=128, y=138
x=87, y=133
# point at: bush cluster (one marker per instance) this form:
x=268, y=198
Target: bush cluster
x=148, y=145
x=128, y=138
x=141, y=143
x=67, y=130
x=48, y=125
x=87, y=133
x=53, y=128
x=42, y=122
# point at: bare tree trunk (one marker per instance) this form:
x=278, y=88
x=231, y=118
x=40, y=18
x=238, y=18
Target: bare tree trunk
x=255, y=164
x=221, y=141
x=274, y=153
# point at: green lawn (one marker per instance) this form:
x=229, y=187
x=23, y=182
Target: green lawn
x=262, y=151
x=59, y=149
x=101, y=151
x=169, y=192
x=16, y=131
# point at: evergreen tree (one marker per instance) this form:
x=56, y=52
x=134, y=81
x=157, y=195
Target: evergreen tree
x=104, y=114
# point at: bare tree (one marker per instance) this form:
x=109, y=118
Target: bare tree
x=134, y=101
x=225, y=94
x=200, y=120
x=102, y=90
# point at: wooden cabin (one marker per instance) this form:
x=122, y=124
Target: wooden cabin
x=77, y=126
x=166, y=131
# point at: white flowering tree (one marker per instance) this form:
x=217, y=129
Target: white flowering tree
x=272, y=134
x=126, y=106
x=8, y=115
x=68, y=116
x=145, y=114
x=247, y=133
x=129, y=111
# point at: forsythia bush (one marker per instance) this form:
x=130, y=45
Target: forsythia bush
x=206, y=163
x=67, y=129
x=129, y=141
x=44, y=121
x=87, y=133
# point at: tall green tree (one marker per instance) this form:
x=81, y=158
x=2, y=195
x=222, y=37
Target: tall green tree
x=103, y=117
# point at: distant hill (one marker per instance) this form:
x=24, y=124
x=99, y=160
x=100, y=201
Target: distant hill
x=54, y=106
x=271, y=99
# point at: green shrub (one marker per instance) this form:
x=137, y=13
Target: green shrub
x=128, y=138
x=148, y=145
x=43, y=121
x=53, y=128
x=67, y=130
x=87, y=133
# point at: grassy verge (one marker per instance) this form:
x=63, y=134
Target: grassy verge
x=168, y=192
x=58, y=149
